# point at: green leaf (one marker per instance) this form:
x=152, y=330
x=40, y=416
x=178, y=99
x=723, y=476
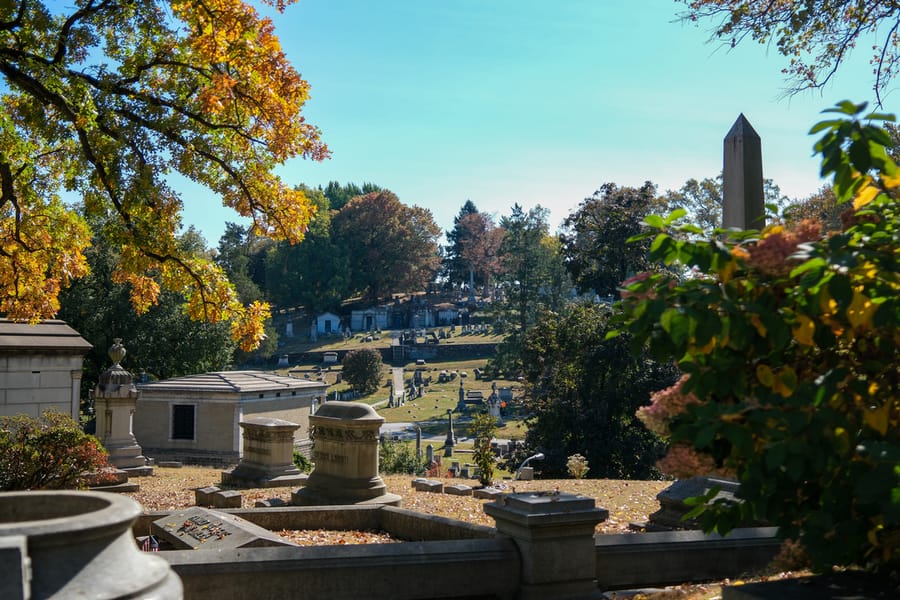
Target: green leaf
x=830, y=124
x=675, y=215
x=655, y=221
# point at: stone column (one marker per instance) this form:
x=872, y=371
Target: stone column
x=743, y=203
x=555, y=536
x=115, y=398
x=451, y=439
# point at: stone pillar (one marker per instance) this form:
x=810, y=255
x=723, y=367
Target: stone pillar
x=345, y=452
x=451, y=439
x=268, y=456
x=555, y=536
x=115, y=398
x=743, y=203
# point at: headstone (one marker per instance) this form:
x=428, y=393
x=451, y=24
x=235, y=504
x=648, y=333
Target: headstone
x=487, y=493
x=429, y=453
x=203, y=496
x=505, y=394
x=329, y=358
x=289, y=329
x=226, y=499
x=458, y=489
x=427, y=485
x=345, y=452
x=267, y=459
x=283, y=361
x=743, y=200
x=199, y=528
x=672, y=501
x=115, y=398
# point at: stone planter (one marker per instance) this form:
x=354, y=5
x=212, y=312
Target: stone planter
x=80, y=545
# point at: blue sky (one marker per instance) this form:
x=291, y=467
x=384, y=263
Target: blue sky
x=533, y=102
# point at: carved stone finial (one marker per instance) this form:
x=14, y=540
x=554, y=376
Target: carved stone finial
x=117, y=351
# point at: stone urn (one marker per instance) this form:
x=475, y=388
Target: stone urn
x=80, y=545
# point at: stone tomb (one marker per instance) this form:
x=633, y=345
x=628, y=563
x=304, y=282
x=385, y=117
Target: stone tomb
x=199, y=528
x=267, y=459
x=345, y=452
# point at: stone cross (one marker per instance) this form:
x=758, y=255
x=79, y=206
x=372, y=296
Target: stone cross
x=743, y=204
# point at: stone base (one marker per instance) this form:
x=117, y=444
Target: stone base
x=117, y=488
x=144, y=471
x=313, y=497
x=237, y=478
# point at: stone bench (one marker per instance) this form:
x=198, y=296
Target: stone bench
x=458, y=489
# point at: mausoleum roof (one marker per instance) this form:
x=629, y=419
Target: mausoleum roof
x=49, y=335
x=231, y=381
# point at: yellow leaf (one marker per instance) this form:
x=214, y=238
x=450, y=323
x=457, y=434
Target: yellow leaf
x=804, y=330
x=760, y=328
x=860, y=311
x=877, y=418
x=865, y=195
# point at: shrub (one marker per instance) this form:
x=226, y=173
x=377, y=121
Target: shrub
x=482, y=430
x=302, y=463
x=362, y=369
x=788, y=341
x=50, y=452
x=577, y=465
x=398, y=458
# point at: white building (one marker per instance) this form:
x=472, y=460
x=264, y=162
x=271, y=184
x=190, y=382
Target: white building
x=40, y=368
x=328, y=324
x=196, y=418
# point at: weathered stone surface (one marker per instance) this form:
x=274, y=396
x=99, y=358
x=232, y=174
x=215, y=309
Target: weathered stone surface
x=426, y=485
x=203, y=496
x=458, y=489
x=487, y=493
x=226, y=499
x=268, y=455
x=81, y=546
x=15, y=568
x=199, y=528
x=345, y=452
x=672, y=501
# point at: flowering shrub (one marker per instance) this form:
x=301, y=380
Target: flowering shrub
x=577, y=465
x=51, y=452
x=788, y=340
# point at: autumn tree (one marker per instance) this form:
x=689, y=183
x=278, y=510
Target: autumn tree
x=163, y=341
x=479, y=247
x=102, y=100
x=816, y=35
x=703, y=200
x=393, y=247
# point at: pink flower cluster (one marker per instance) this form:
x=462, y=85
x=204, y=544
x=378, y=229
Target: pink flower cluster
x=664, y=406
x=771, y=255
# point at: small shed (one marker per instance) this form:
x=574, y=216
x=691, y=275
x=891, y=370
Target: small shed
x=40, y=368
x=328, y=324
x=196, y=418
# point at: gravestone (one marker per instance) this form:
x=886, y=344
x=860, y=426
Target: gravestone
x=267, y=459
x=115, y=398
x=345, y=452
x=451, y=438
x=198, y=528
x=672, y=502
x=429, y=454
